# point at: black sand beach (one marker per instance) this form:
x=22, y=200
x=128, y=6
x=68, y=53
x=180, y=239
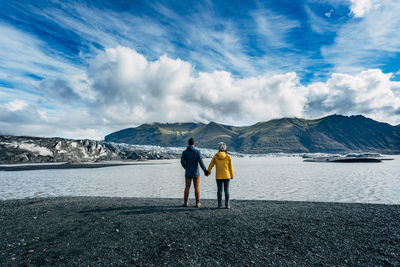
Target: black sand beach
x=153, y=232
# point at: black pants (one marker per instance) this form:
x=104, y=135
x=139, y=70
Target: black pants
x=223, y=183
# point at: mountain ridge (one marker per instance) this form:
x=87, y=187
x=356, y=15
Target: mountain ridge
x=330, y=134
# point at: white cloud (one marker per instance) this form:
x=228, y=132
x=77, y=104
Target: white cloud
x=93, y=134
x=360, y=7
x=329, y=13
x=105, y=26
x=131, y=90
x=274, y=28
x=21, y=54
x=370, y=92
x=319, y=24
x=121, y=88
x=16, y=105
x=368, y=42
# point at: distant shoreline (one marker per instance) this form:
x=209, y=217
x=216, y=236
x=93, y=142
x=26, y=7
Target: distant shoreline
x=136, y=231
x=86, y=165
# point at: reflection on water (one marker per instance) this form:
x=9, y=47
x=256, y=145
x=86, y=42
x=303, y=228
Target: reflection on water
x=269, y=178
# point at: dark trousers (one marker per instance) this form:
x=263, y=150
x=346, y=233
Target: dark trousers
x=223, y=184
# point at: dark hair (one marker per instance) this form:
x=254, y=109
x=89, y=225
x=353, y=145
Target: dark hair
x=191, y=141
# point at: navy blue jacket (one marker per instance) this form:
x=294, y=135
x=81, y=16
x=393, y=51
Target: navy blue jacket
x=189, y=160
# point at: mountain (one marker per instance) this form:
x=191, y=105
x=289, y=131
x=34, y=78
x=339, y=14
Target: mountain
x=331, y=134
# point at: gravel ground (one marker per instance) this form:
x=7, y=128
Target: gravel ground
x=154, y=232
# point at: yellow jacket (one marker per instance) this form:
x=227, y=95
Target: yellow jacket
x=223, y=163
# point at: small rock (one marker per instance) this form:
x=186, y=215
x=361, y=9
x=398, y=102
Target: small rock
x=30, y=251
x=117, y=230
x=150, y=232
x=35, y=217
x=13, y=258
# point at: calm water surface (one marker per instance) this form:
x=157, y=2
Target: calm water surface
x=268, y=178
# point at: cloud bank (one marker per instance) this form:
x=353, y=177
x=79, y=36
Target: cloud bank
x=122, y=88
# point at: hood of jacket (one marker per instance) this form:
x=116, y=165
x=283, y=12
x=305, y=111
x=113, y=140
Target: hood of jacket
x=190, y=148
x=221, y=155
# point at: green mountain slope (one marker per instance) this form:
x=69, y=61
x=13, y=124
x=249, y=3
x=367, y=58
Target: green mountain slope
x=333, y=133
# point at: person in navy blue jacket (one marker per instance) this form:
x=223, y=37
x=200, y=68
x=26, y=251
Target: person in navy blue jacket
x=190, y=160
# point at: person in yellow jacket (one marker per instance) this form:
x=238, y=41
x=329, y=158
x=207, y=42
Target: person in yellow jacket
x=223, y=173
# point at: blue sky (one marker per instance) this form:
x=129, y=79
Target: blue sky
x=83, y=69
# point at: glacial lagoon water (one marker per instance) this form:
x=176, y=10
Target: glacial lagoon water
x=261, y=178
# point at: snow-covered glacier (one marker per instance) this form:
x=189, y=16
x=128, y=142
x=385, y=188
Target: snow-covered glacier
x=21, y=149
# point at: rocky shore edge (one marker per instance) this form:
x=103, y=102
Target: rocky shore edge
x=85, y=165
x=105, y=231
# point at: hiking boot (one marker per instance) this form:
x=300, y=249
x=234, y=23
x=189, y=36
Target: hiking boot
x=198, y=205
x=186, y=204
